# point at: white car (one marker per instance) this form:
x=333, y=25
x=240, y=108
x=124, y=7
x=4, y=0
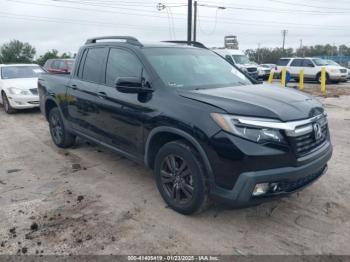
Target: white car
x=238, y=58
x=19, y=86
x=264, y=70
x=331, y=62
x=312, y=69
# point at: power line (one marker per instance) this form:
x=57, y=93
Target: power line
x=289, y=11
x=237, y=7
x=203, y=18
x=306, y=5
x=72, y=21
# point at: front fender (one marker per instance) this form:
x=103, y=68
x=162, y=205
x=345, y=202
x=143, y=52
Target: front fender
x=192, y=140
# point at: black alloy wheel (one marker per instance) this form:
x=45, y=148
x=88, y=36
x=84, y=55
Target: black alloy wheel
x=181, y=177
x=60, y=136
x=177, y=179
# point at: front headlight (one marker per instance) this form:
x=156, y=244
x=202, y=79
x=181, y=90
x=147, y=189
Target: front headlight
x=18, y=91
x=257, y=134
x=334, y=71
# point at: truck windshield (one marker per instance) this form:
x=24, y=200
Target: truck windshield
x=191, y=68
x=11, y=72
x=241, y=59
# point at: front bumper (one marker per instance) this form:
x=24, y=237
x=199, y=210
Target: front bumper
x=23, y=102
x=264, y=73
x=293, y=179
x=338, y=77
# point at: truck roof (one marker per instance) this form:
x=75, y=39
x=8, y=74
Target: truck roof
x=144, y=45
x=228, y=51
x=132, y=41
x=8, y=65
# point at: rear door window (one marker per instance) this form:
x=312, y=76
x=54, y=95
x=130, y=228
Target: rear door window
x=94, y=65
x=297, y=62
x=283, y=62
x=81, y=64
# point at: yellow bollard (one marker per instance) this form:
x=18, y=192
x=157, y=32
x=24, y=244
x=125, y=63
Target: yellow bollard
x=270, y=77
x=301, y=80
x=323, y=80
x=283, y=77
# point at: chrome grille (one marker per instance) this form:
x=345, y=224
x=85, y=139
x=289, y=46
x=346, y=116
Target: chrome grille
x=343, y=70
x=251, y=70
x=307, y=142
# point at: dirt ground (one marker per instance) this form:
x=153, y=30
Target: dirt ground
x=88, y=200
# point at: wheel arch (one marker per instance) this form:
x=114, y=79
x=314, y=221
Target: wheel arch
x=319, y=73
x=161, y=135
x=49, y=104
x=1, y=94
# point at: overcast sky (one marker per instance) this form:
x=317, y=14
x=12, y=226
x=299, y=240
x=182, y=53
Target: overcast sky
x=66, y=24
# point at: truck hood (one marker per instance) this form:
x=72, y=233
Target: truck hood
x=21, y=83
x=247, y=65
x=265, y=100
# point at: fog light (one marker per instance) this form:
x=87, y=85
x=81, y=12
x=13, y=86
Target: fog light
x=261, y=189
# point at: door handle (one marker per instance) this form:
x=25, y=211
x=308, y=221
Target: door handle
x=101, y=94
x=74, y=87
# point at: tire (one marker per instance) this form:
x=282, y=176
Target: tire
x=318, y=78
x=180, y=178
x=7, y=107
x=60, y=136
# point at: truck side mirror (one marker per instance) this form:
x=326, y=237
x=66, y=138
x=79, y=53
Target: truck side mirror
x=131, y=85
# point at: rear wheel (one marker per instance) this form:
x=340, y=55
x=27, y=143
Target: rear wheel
x=7, y=107
x=181, y=178
x=60, y=136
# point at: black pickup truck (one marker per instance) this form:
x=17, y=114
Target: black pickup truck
x=205, y=129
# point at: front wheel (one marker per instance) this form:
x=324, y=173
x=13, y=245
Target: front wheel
x=181, y=178
x=7, y=107
x=319, y=78
x=60, y=136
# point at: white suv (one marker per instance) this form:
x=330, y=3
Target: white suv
x=312, y=69
x=241, y=60
x=19, y=86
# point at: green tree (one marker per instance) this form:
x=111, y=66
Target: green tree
x=268, y=55
x=52, y=54
x=16, y=51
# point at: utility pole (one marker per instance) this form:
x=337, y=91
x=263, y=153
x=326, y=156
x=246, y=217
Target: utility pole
x=284, y=34
x=258, y=51
x=189, y=20
x=195, y=21
x=301, y=47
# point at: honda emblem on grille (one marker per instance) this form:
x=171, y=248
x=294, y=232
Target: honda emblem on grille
x=317, y=131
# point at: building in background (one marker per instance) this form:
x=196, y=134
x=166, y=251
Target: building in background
x=231, y=42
